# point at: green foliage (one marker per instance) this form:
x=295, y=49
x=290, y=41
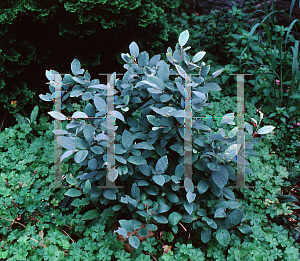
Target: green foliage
x=150, y=178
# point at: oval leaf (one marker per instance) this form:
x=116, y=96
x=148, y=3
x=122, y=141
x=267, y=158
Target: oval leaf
x=266, y=130
x=183, y=38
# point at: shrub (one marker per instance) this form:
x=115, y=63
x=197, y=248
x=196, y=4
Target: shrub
x=150, y=178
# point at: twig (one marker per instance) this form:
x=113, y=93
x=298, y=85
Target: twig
x=3, y=121
x=182, y=226
x=67, y=235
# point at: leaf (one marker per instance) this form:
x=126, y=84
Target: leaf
x=254, y=120
x=91, y=214
x=228, y=193
x=46, y=97
x=202, y=186
x=213, y=166
x=160, y=219
x=143, y=232
x=212, y=86
x=57, y=115
x=34, y=113
x=153, y=120
x=235, y=217
x=151, y=90
x=66, y=154
x=205, y=235
x=245, y=229
x=80, y=202
x=188, y=185
x=172, y=197
x=75, y=67
x=223, y=236
x=162, y=208
x=112, y=174
x=79, y=114
x=126, y=224
x=121, y=231
x=108, y=194
x=188, y=207
x=233, y=132
x=249, y=128
x=183, y=38
x=151, y=227
x=73, y=193
x=87, y=186
x=220, y=213
x=205, y=71
x=266, y=130
x=127, y=140
x=143, y=59
x=190, y=197
x=228, y=118
x=117, y=115
x=216, y=73
x=135, y=191
x=88, y=132
x=144, y=145
x=181, y=72
x=80, y=156
x=198, y=56
x=134, y=49
x=232, y=151
x=66, y=142
x=159, y=179
x=220, y=178
x=97, y=149
x=174, y=218
x=100, y=105
x=136, y=160
x=161, y=165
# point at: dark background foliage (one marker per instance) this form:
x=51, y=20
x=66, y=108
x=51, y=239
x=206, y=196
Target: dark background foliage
x=41, y=35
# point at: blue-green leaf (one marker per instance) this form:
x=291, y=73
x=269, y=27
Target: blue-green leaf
x=183, y=38
x=134, y=241
x=159, y=179
x=202, y=186
x=205, y=235
x=143, y=232
x=108, y=194
x=223, y=236
x=137, y=160
x=188, y=207
x=174, y=218
x=100, y=105
x=220, y=213
x=143, y=59
x=134, y=49
x=73, y=193
x=66, y=142
x=160, y=219
x=135, y=191
x=80, y=156
x=87, y=186
x=161, y=165
x=57, y=115
x=212, y=86
x=235, y=217
x=162, y=208
x=198, y=56
x=216, y=73
x=190, y=197
x=265, y=130
x=127, y=140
